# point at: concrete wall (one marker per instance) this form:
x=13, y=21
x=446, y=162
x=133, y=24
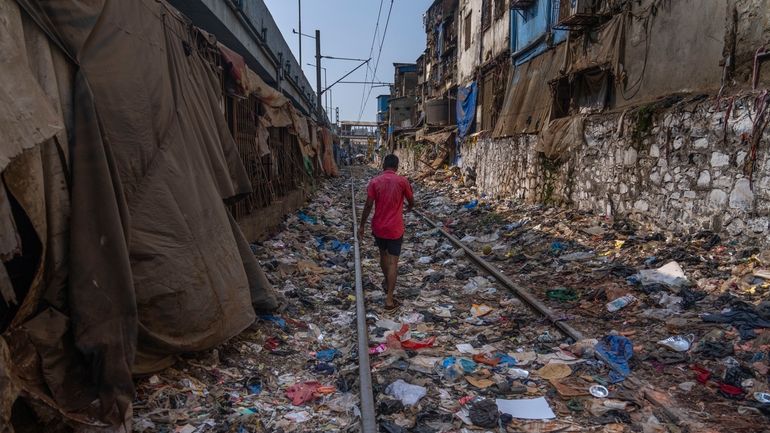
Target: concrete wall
x=467, y=60
x=263, y=222
x=495, y=38
x=492, y=42
x=678, y=49
x=684, y=175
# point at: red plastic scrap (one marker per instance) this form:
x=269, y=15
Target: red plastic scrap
x=703, y=375
x=483, y=359
x=301, y=393
x=730, y=391
x=418, y=344
x=271, y=344
x=393, y=340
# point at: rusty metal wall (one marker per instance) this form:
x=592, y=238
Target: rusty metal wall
x=272, y=176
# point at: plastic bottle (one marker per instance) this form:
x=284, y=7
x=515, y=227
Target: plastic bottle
x=620, y=303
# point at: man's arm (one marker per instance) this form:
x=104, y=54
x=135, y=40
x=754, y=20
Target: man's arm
x=365, y=217
x=409, y=195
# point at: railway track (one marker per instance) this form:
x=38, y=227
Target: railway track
x=368, y=411
x=565, y=332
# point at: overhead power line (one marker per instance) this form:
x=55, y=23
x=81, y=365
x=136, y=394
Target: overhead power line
x=377, y=63
x=371, y=51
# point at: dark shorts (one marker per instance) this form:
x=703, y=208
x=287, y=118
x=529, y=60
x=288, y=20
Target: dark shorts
x=392, y=246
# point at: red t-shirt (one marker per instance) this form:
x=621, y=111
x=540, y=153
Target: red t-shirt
x=388, y=191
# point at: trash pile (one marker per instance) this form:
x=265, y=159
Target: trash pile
x=687, y=315
x=294, y=370
x=676, y=329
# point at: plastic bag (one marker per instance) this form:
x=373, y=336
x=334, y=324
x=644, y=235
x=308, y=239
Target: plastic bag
x=407, y=393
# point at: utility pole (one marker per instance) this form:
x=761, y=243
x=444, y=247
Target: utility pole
x=299, y=35
x=319, y=90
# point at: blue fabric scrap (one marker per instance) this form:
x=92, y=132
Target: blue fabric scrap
x=617, y=351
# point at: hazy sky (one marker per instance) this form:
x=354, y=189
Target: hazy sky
x=347, y=28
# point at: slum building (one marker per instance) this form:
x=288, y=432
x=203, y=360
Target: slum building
x=138, y=154
x=654, y=110
x=426, y=146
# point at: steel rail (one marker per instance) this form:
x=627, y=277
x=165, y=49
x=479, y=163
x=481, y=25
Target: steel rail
x=368, y=418
x=518, y=290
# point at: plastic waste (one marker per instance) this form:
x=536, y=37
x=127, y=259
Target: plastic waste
x=670, y=274
x=471, y=205
x=298, y=417
x=518, y=373
x=327, y=355
x=449, y=370
x=274, y=319
x=426, y=260
x=620, y=303
x=599, y=391
x=407, y=393
x=679, y=343
x=345, y=403
x=307, y=218
x=505, y=360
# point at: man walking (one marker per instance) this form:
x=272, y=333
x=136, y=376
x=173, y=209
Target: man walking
x=386, y=193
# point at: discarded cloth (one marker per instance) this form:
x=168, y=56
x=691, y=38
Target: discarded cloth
x=744, y=319
x=616, y=350
x=302, y=393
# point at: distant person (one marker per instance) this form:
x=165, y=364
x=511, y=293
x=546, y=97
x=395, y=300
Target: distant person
x=386, y=193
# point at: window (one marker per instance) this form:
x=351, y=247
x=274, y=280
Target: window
x=486, y=14
x=467, y=28
x=500, y=8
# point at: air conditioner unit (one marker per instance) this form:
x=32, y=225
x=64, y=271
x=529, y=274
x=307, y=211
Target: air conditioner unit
x=578, y=13
x=522, y=4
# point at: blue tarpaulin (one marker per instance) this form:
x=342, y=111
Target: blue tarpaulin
x=466, y=108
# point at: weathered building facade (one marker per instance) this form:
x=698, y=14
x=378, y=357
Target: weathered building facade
x=654, y=110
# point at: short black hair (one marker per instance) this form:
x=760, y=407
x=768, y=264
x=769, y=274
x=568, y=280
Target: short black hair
x=390, y=161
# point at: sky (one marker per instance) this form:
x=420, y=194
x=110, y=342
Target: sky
x=347, y=30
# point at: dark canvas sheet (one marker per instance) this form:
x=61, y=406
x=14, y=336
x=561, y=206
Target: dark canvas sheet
x=156, y=265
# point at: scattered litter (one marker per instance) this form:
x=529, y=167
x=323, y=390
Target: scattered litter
x=407, y=393
x=536, y=408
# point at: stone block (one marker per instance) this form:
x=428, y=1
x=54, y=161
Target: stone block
x=641, y=206
x=742, y=197
x=719, y=159
x=704, y=179
x=758, y=225
x=678, y=143
x=736, y=227
x=740, y=158
x=689, y=194
x=629, y=157
x=700, y=143
x=654, y=151
x=717, y=199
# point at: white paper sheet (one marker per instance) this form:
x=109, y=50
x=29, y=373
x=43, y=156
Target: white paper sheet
x=536, y=408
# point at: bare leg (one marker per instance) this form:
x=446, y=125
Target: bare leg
x=384, y=267
x=392, y=274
